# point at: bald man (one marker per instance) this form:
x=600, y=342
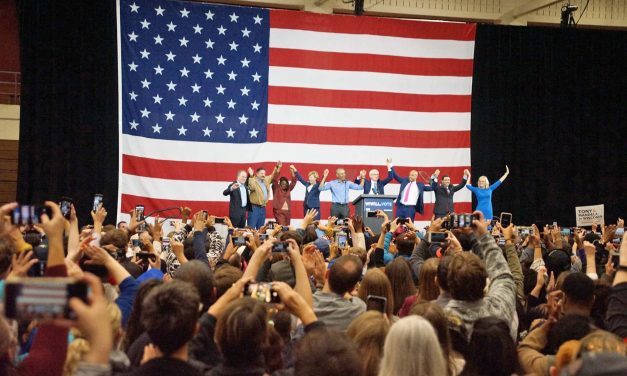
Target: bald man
x=374, y=186
x=409, y=200
x=339, y=191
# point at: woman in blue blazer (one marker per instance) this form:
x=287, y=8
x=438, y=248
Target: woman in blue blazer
x=312, y=189
x=483, y=192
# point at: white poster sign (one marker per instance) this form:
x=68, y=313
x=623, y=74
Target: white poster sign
x=588, y=215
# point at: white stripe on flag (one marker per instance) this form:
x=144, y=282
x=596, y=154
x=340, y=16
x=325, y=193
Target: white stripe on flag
x=297, y=153
x=370, y=44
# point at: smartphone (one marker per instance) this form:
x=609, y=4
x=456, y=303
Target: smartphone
x=525, y=231
x=263, y=237
x=506, y=219
x=29, y=214
x=565, y=232
x=619, y=232
x=501, y=242
x=135, y=243
x=144, y=256
x=97, y=201
x=378, y=257
x=41, y=298
x=65, y=204
x=436, y=237
x=402, y=221
x=205, y=215
x=280, y=247
x=371, y=214
x=261, y=291
x=165, y=242
x=285, y=228
x=340, y=222
x=239, y=241
x=219, y=220
x=139, y=211
x=376, y=303
x=341, y=240
x=270, y=225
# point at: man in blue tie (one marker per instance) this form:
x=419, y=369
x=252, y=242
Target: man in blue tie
x=339, y=192
x=374, y=186
x=410, y=196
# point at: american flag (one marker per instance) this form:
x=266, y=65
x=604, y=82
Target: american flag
x=206, y=90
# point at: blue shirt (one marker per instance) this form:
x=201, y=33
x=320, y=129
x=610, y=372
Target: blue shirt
x=264, y=189
x=339, y=190
x=242, y=191
x=484, y=198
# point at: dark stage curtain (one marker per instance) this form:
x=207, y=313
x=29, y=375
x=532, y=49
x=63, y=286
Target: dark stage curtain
x=552, y=104
x=68, y=125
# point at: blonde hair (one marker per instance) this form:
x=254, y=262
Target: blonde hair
x=368, y=332
x=414, y=335
x=566, y=354
x=78, y=348
x=487, y=182
x=314, y=173
x=427, y=289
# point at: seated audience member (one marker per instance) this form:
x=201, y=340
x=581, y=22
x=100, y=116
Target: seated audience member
x=410, y=336
x=491, y=333
x=331, y=304
x=368, y=332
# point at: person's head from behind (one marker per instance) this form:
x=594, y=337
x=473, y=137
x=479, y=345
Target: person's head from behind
x=566, y=354
x=400, y=276
x=437, y=318
x=405, y=243
x=242, y=176
x=344, y=274
x=466, y=277
x=602, y=341
x=377, y=284
x=224, y=277
x=242, y=331
x=135, y=326
x=483, y=182
x=170, y=314
x=313, y=177
x=492, y=333
x=414, y=335
x=441, y=279
x=261, y=173
x=578, y=291
x=368, y=332
x=426, y=281
x=7, y=250
x=340, y=174
x=326, y=351
x=199, y=274
x=567, y=328
x=446, y=181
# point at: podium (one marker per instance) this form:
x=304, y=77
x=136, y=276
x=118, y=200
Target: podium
x=369, y=203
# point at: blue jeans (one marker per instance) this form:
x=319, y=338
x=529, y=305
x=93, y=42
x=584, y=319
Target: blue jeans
x=404, y=211
x=257, y=217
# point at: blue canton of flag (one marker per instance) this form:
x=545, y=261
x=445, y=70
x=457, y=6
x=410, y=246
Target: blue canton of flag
x=194, y=72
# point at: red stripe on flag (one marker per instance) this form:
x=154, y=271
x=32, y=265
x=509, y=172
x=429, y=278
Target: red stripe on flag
x=211, y=171
x=371, y=25
x=367, y=99
x=284, y=57
x=367, y=136
x=221, y=209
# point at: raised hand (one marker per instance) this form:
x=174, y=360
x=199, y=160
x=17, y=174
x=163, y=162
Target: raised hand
x=620, y=223
x=309, y=217
x=480, y=225
x=54, y=226
x=21, y=264
x=362, y=174
x=506, y=170
x=234, y=186
x=99, y=215
x=326, y=172
x=608, y=234
x=279, y=164
x=388, y=161
x=250, y=171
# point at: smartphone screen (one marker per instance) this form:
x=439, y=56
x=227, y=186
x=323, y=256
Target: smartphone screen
x=66, y=207
x=219, y=220
x=372, y=214
x=42, y=298
x=139, y=210
x=263, y=237
x=97, y=201
x=376, y=303
x=506, y=219
x=437, y=237
x=239, y=240
x=261, y=292
x=341, y=240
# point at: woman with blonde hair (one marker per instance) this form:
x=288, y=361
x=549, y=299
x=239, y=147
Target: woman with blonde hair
x=377, y=285
x=368, y=332
x=412, y=349
x=483, y=192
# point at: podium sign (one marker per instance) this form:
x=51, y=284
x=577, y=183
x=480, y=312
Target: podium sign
x=371, y=203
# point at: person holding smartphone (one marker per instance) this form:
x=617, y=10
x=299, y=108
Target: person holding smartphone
x=483, y=193
x=312, y=189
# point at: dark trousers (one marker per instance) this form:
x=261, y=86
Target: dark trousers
x=238, y=220
x=339, y=210
x=306, y=208
x=257, y=217
x=404, y=211
x=282, y=217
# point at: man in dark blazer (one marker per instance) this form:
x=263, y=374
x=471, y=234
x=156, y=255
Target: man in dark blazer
x=239, y=202
x=410, y=200
x=444, y=194
x=374, y=186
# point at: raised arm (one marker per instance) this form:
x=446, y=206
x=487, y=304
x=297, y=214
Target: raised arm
x=276, y=170
x=251, y=177
x=502, y=179
x=325, y=174
x=464, y=181
x=298, y=176
x=433, y=182
x=292, y=184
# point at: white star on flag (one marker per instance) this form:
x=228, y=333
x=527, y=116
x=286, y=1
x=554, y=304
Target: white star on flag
x=134, y=8
x=159, y=11
x=158, y=70
x=253, y=133
x=230, y=133
x=208, y=102
x=222, y=30
x=133, y=66
x=182, y=101
x=145, y=112
x=144, y=53
x=234, y=17
x=220, y=89
x=209, y=15
x=220, y=118
x=207, y=132
x=243, y=119
x=157, y=99
x=145, y=24
x=156, y=128
x=158, y=39
x=195, y=88
x=145, y=84
x=195, y=117
x=171, y=86
x=182, y=131
x=133, y=95
x=132, y=37
x=244, y=91
x=169, y=116
x=184, y=72
x=171, y=26
x=257, y=19
x=231, y=104
x=197, y=29
x=170, y=56
x=134, y=124
x=184, y=13
x=245, y=33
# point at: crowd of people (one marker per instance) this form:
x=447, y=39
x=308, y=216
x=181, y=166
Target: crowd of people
x=219, y=297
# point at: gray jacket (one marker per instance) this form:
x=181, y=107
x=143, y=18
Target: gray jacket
x=335, y=311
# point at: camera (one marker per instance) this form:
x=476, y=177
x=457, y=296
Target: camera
x=459, y=221
x=263, y=237
x=280, y=247
x=262, y=292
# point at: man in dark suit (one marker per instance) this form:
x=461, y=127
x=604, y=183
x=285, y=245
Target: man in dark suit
x=410, y=200
x=374, y=186
x=239, y=202
x=444, y=194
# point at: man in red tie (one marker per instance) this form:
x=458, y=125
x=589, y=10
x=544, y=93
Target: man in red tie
x=409, y=200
